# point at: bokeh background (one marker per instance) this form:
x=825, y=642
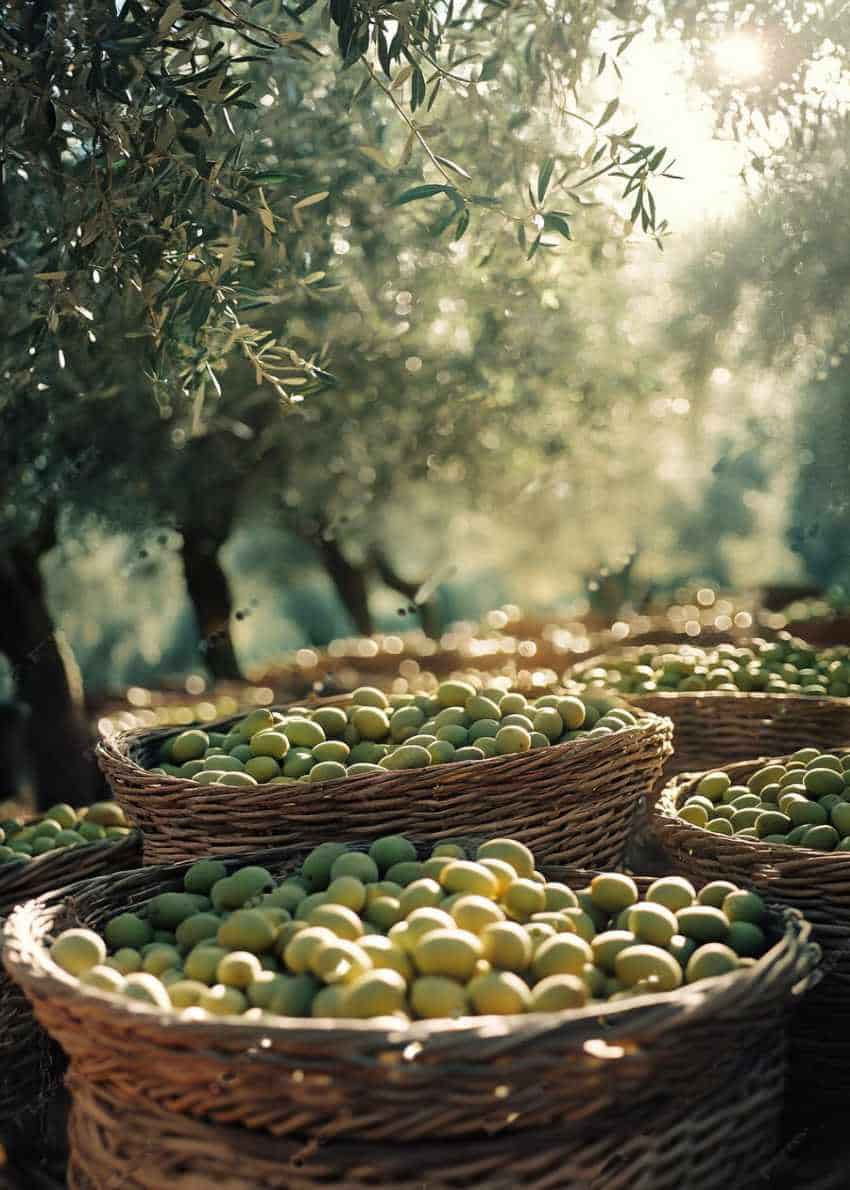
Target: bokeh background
x=639, y=407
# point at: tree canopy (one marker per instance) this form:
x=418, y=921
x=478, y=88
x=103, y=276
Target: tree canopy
x=340, y=269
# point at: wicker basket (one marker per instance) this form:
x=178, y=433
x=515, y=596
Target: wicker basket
x=66, y=865
x=504, y=655
x=718, y=727
x=712, y=727
x=639, y=1082
x=30, y=1064
x=726, y=1142
x=571, y=803
x=662, y=632
x=815, y=882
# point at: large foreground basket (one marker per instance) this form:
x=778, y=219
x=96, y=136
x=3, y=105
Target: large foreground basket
x=815, y=882
x=30, y=1064
x=572, y=803
x=682, y=1089
x=726, y=1143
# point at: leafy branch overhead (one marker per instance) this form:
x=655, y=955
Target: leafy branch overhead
x=132, y=146
x=147, y=182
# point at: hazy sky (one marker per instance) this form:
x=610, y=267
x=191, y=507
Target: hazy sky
x=672, y=111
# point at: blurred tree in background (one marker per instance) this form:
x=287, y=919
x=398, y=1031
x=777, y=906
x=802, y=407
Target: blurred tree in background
x=145, y=203
x=819, y=528
x=342, y=282
x=772, y=296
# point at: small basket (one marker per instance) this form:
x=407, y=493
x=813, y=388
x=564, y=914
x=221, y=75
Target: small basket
x=571, y=803
x=65, y=865
x=815, y=882
x=30, y=1063
x=717, y=727
x=366, y=1103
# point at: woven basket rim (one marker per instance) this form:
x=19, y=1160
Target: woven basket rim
x=28, y=962
x=664, y=812
x=39, y=867
x=117, y=749
x=766, y=696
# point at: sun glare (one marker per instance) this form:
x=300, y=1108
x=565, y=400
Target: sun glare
x=740, y=56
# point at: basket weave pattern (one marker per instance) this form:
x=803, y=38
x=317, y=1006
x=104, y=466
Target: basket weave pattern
x=723, y=1142
x=30, y=1063
x=319, y=1082
x=815, y=882
x=66, y=865
x=719, y=727
x=570, y=803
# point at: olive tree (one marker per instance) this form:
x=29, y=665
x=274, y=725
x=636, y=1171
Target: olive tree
x=174, y=174
x=769, y=305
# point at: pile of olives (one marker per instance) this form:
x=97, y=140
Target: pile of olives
x=383, y=934
x=781, y=666
x=377, y=732
x=806, y=610
x=804, y=802
x=62, y=826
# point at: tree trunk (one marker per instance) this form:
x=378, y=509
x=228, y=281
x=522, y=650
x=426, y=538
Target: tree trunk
x=209, y=592
x=56, y=734
x=350, y=582
x=429, y=612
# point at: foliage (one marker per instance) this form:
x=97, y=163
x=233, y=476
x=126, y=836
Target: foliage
x=801, y=47
x=770, y=299
x=820, y=520
x=772, y=287
x=136, y=177
x=373, y=222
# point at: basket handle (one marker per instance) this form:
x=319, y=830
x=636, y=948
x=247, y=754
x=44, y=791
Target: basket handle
x=811, y=963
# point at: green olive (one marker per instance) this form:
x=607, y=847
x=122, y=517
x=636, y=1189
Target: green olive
x=652, y=923
x=703, y=922
x=771, y=822
x=820, y=781
x=512, y=739
x=714, y=785
x=635, y=964
x=821, y=838
x=407, y=756
x=709, y=961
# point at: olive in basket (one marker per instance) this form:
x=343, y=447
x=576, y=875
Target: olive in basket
x=378, y=732
x=782, y=666
x=61, y=826
x=802, y=802
x=382, y=933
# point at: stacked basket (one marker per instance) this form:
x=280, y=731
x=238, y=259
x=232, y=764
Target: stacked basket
x=679, y=1089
